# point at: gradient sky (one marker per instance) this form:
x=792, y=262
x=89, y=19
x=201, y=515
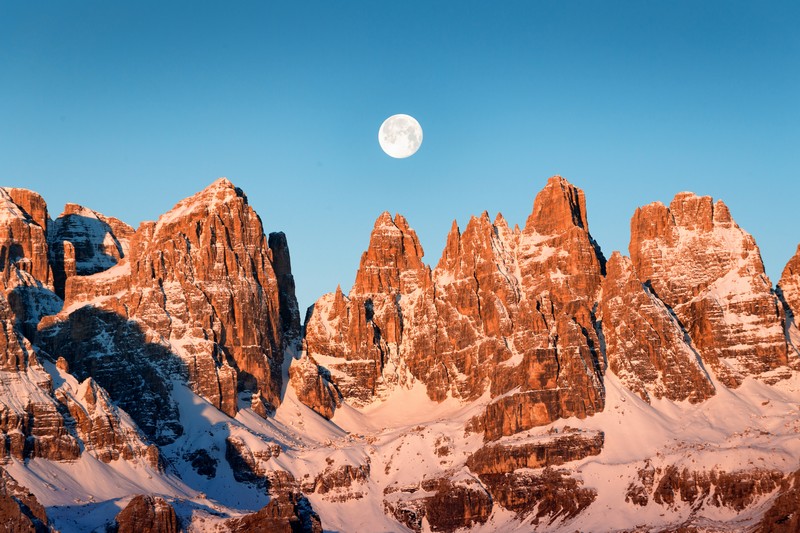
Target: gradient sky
x=129, y=107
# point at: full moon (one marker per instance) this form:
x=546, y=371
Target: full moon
x=400, y=136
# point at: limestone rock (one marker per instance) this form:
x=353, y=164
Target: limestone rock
x=364, y=332
x=101, y=426
x=709, y=271
x=20, y=511
x=550, y=494
x=538, y=452
x=25, y=273
x=31, y=424
x=147, y=514
x=789, y=284
x=23, y=239
x=194, y=297
x=783, y=515
x=202, y=278
x=789, y=292
x=502, y=310
x=645, y=344
x=343, y=483
x=249, y=465
x=282, y=265
x=447, y=503
x=281, y=515
x=735, y=490
x=314, y=387
x=119, y=356
x=84, y=242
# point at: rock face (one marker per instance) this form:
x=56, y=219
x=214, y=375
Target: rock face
x=193, y=295
x=25, y=273
x=709, y=272
x=84, y=242
x=37, y=418
x=147, y=514
x=645, y=344
x=20, y=511
x=789, y=291
x=117, y=355
x=23, y=239
x=504, y=310
x=789, y=284
x=553, y=494
x=362, y=348
x=203, y=280
x=281, y=515
x=782, y=516
x=30, y=420
x=313, y=386
x=446, y=504
x=671, y=486
x=102, y=427
x=551, y=450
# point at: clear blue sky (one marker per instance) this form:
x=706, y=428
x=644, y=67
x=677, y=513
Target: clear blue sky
x=129, y=107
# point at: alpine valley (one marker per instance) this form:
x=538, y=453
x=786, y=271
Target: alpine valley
x=160, y=379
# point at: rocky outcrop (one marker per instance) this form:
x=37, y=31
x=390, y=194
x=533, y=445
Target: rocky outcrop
x=536, y=452
x=23, y=239
x=31, y=423
x=447, y=503
x=102, y=428
x=281, y=515
x=15, y=351
x=282, y=265
x=505, y=310
x=313, y=386
x=646, y=346
x=340, y=484
x=360, y=336
x=709, y=272
x=789, y=285
x=249, y=465
x=84, y=242
x=789, y=291
x=783, y=515
x=548, y=495
x=671, y=485
x=25, y=273
x=20, y=511
x=147, y=514
x=117, y=355
x=288, y=510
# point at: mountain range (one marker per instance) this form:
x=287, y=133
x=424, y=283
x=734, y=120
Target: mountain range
x=160, y=379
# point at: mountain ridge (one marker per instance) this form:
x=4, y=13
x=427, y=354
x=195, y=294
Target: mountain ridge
x=529, y=343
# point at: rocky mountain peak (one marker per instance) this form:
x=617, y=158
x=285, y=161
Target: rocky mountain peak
x=208, y=264
x=23, y=239
x=31, y=203
x=693, y=212
x=559, y=207
x=394, y=249
x=708, y=270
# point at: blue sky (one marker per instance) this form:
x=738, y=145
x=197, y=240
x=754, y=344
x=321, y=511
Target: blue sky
x=129, y=107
